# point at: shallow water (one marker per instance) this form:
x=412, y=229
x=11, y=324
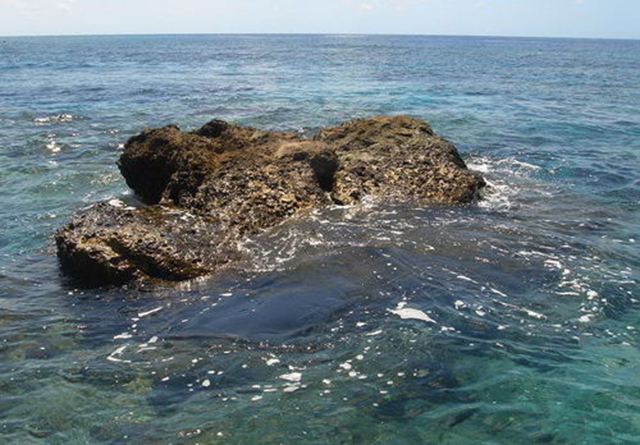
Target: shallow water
x=512, y=321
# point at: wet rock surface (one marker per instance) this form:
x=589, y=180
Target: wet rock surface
x=110, y=243
x=208, y=188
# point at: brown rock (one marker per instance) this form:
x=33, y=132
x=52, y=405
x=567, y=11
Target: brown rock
x=210, y=187
x=110, y=244
x=398, y=157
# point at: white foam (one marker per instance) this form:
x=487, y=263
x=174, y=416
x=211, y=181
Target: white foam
x=152, y=311
x=586, y=318
x=498, y=175
x=53, y=146
x=64, y=117
x=534, y=314
x=112, y=357
x=292, y=377
x=346, y=365
x=410, y=314
x=529, y=312
x=496, y=291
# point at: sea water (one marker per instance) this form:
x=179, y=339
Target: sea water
x=511, y=321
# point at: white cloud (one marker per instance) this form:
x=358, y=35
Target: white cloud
x=401, y=5
x=65, y=5
x=369, y=5
x=13, y=3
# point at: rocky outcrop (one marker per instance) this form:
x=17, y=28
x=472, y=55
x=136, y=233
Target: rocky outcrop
x=208, y=188
x=111, y=243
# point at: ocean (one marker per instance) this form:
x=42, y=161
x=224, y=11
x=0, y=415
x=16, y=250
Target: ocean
x=524, y=309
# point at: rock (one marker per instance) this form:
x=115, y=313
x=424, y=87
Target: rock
x=107, y=244
x=398, y=157
x=208, y=188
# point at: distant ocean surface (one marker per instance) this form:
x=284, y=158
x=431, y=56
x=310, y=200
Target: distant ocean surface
x=525, y=314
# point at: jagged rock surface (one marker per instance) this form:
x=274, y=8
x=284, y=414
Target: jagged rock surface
x=110, y=243
x=208, y=188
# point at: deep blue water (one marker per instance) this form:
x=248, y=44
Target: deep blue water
x=527, y=304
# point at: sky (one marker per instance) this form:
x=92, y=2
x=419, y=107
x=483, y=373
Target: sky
x=540, y=18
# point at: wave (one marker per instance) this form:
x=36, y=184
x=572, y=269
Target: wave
x=506, y=178
x=57, y=118
x=52, y=145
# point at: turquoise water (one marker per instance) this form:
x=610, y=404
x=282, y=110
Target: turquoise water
x=513, y=321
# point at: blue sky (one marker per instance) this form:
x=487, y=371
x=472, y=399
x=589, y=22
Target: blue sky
x=548, y=18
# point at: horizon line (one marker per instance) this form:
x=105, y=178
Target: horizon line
x=313, y=34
